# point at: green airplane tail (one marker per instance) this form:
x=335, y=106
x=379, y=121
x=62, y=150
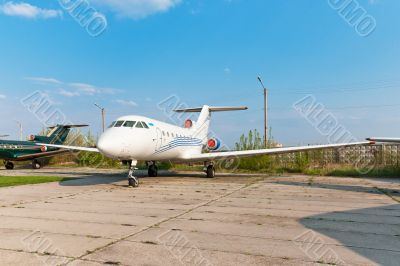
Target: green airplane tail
x=57, y=135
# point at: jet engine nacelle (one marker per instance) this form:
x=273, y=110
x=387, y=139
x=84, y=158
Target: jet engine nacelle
x=213, y=144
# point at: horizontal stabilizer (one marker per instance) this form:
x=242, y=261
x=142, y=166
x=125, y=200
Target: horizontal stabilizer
x=212, y=109
x=69, y=126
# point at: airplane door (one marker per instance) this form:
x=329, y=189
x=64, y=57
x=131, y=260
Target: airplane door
x=159, y=139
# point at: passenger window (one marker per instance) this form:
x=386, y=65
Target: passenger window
x=139, y=125
x=163, y=133
x=112, y=124
x=145, y=125
x=168, y=134
x=129, y=123
x=119, y=123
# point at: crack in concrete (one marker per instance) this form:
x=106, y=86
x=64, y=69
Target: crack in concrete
x=254, y=181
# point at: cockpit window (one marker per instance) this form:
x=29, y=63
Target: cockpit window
x=129, y=123
x=145, y=125
x=119, y=123
x=112, y=124
x=139, y=125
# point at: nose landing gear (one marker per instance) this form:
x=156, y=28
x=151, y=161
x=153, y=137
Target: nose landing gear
x=133, y=181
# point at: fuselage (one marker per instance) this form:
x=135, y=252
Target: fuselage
x=141, y=138
x=19, y=150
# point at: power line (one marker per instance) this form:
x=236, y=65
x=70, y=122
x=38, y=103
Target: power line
x=347, y=107
x=338, y=90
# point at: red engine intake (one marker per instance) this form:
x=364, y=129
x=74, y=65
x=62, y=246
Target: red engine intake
x=213, y=144
x=43, y=148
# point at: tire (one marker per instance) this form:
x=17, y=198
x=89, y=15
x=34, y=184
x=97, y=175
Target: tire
x=133, y=183
x=210, y=171
x=36, y=165
x=153, y=171
x=9, y=166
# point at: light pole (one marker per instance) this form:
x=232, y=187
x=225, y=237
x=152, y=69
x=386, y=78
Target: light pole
x=265, y=112
x=103, y=116
x=20, y=130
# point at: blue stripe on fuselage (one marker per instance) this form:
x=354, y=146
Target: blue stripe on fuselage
x=180, y=142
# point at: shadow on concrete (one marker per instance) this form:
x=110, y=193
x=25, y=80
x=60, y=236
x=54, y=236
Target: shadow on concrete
x=361, y=189
x=107, y=178
x=373, y=233
x=91, y=180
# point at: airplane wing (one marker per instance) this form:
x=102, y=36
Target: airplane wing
x=241, y=154
x=40, y=155
x=73, y=148
x=387, y=140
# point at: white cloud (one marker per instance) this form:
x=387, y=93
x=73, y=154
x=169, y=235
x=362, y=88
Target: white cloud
x=127, y=103
x=137, y=9
x=43, y=80
x=91, y=89
x=72, y=89
x=68, y=93
x=28, y=11
x=85, y=88
x=2, y=97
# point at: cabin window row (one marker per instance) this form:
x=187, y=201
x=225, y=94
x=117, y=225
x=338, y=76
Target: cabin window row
x=10, y=147
x=131, y=124
x=173, y=135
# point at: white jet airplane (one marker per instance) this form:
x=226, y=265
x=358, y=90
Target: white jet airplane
x=137, y=138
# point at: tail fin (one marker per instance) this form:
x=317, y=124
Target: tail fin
x=201, y=127
x=57, y=134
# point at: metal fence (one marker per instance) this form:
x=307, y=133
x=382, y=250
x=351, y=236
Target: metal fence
x=378, y=155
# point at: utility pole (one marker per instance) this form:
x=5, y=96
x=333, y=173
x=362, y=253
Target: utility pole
x=265, y=112
x=20, y=130
x=103, y=116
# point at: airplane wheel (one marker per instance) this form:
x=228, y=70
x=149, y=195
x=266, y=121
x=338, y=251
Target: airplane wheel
x=211, y=171
x=36, y=165
x=9, y=166
x=153, y=171
x=133, y=182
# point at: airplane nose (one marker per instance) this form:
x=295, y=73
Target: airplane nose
x=104, y=145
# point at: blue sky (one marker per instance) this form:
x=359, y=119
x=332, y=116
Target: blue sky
x=204, y=52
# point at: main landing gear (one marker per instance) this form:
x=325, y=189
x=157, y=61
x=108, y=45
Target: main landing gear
x=8, y=165
x=36, y=165
x=133, y=181
x=153, y=169
x=209, y=169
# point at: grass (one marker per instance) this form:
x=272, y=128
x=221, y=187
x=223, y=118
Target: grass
x=332, y=170
x=348, y=171
x=10, y=181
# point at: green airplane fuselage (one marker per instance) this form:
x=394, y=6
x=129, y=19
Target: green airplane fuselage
x=11, y=150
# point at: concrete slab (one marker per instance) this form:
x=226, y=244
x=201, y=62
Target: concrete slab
x=185, y=219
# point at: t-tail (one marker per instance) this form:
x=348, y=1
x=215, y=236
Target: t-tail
x=57, y=135
x=201, y=127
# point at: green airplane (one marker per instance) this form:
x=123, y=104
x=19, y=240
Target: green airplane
x=13, y=150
